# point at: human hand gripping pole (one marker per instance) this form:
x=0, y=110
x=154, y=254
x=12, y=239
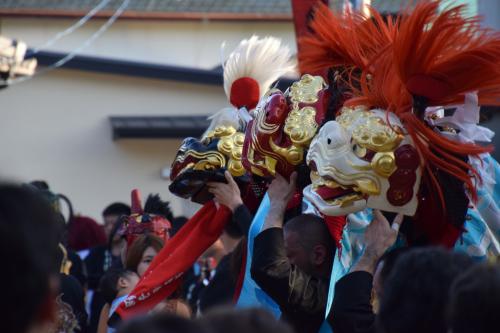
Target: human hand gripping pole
x=227, y=194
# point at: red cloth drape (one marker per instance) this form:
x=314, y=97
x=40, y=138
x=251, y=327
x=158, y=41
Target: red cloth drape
x=163, y=275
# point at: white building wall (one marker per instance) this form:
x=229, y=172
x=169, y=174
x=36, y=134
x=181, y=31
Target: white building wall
x=56, y=126
x=186, y=43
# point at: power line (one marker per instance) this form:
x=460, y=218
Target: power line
x=74, y=27
x=119, y=11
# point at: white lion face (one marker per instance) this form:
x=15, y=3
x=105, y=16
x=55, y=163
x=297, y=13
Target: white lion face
x=363, y=159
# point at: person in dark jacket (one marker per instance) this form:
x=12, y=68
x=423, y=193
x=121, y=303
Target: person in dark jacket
x=292, y=262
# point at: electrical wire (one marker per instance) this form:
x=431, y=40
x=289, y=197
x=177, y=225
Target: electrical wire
x=119, y=11
x=73, y=28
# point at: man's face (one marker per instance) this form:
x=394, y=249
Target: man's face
x=296, y=253
x=109, y=222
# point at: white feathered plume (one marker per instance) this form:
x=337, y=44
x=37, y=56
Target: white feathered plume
x=263, y=60
x=248, y=74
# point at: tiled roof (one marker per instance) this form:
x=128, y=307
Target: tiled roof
x=267, y=7
x=199, y=6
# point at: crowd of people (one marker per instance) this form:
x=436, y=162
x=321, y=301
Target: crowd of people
x=55, y=285
x=337, y=206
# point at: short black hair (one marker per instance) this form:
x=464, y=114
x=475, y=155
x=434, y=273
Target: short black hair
x=415, y=293
x=108, y=285
x=155, y=205
x=312, y=231
x=475, y=300
x=40, y=184
x=161, y=323
x=116, y=208
x=29, y=245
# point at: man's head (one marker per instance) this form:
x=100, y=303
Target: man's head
x=161, y=323
x=29, y=245
x=384, y=268
x=415, y=293
x=308, y=244
x=112, y=213
x=475, y=300
x=116, y=283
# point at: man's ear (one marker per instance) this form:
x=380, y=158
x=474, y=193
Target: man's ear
x=122, y=283
x=319, y=254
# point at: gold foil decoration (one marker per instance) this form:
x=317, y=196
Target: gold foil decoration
x=219, y=132
x=232, y=147
x=384, y=164
x=300, y=125
x=370, y=131
x=306, y=90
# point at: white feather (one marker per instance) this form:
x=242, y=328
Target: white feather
x=226, y=117
x=264, y=60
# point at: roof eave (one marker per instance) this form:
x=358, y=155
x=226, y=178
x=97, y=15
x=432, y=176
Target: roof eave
x=139, y=69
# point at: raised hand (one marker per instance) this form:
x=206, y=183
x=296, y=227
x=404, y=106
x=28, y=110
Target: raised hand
x=227, y=194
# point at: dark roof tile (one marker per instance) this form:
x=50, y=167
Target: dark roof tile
x=219, y=6
x=259, y=7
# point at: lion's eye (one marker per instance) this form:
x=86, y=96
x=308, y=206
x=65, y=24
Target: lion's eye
x=359, y=151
